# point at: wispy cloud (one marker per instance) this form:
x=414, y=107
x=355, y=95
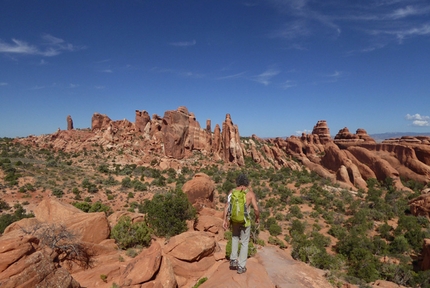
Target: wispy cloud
x=379, y=24
x=291, y=30
x=418, y=120
x=288, y=84
x=181, y=73
x=71, y=85
x=408, y=11
x=265, y=77
x=37, y=87
x=233, y=76
x=3, y=84
x=107, y=71
x=98, y=87
x=183, y=43
x=51, y=46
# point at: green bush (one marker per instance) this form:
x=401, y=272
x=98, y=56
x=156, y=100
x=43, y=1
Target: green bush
x=167, y=214
x=128, y=234
x=275, y=229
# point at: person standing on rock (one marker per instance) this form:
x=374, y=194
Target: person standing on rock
x=239, y=219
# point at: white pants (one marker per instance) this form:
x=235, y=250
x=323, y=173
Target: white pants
x=240, y=232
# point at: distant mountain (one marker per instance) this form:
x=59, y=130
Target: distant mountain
x=383, y=136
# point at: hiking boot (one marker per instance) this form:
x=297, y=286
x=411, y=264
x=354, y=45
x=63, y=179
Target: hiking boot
x=241, y=270
x=233, y=264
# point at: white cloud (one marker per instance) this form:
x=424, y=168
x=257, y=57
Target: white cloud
x=17, y=46
x=408, y=11
x=99, y=87
x=264, y=78
x=417, y=117
x=184, y=43
x=418, y=120
x=51, y=47
x=71, y=85
x=3, y=84
x=299, y=133
x=106, y=71
x=421, y=123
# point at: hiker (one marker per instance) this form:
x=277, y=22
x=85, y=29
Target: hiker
x=240, y=221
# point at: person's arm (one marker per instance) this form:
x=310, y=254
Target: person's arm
x=224, y=216
x=255, y=206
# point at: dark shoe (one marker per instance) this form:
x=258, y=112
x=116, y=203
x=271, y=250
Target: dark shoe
x=233, y=264
x=241, y=270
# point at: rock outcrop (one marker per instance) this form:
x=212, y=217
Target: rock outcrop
x=69, y=123
x=200, y=190
x=177, y=139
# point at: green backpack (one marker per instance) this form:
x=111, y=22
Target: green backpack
x=237, y=209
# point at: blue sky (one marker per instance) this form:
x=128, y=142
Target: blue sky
x=276, y=66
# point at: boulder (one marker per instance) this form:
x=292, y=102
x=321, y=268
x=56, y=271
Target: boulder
x=200, y=190
x=36, y=270
x=142, y=268
x=190, y=246
x=210, y=224
x=89, y=227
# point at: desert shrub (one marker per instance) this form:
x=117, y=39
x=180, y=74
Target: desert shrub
x=84, y=206
x=296, y=212
x=91, y=187
x=275, y=229
x=399, y=245
x=63, y=242
x=4, y=205
x=57, y=192
x=276, y=241
x=110, y=181
x=103, y=168
x=128, y=234
x=100, y=207
x=337, y=231
x=167, y=214
x=126, y=182
x=138, y=185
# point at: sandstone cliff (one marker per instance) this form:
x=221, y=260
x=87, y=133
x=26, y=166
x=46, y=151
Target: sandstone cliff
x=172, y=140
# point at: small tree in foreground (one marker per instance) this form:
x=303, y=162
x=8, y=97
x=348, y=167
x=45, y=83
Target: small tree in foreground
x=128, y=234
x=167, y=214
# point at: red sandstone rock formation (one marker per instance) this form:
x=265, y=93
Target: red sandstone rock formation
x=175, y=131
x=141, y=120
x=99, y=122
x=321, y=129
x=232, y=150
x=69, y=123
x=200, y=190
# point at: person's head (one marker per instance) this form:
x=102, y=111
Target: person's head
x=242, y=180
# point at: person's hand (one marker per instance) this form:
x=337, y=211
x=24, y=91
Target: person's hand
x=225, y=225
